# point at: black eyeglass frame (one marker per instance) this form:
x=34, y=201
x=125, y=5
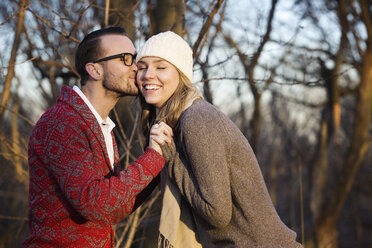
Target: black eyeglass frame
x=121, y=56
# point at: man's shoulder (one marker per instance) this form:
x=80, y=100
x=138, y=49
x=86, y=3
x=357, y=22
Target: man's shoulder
x=67, y=106
x=61, y=114
x=60, y=111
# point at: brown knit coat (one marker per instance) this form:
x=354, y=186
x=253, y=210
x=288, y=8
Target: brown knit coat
x=218, y=175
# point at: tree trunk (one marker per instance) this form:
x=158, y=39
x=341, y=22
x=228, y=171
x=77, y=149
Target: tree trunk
x=273, y=175
x=326, y=223
x=21, y=174
x=206, y=87
x=320, y=170
x=23, y=4
x=256, y=121
x=123, y=15
x=166, y=15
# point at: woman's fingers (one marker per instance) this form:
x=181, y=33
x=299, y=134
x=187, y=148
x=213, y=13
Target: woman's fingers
x=166, y=129
x=159, y=134
x=160, y=137
x=160, y=128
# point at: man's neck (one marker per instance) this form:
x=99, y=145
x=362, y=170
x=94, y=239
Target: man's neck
x=98, y=97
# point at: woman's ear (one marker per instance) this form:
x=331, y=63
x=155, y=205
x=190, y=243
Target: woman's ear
x=94, y=70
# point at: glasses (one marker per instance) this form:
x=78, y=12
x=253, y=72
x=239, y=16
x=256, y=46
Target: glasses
x=127, y=58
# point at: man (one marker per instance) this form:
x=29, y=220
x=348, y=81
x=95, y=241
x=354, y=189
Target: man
x=77, y=190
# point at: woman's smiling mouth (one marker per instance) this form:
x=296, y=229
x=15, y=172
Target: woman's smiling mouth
x=151, y=87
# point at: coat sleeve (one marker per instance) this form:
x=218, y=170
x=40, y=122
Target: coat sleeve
x=201, y=170
x=81, y=172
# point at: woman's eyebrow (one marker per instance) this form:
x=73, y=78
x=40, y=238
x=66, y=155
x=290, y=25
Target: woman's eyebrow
x=158, y=60
x=141, y=62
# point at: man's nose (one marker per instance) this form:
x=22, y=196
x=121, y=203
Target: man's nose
x=134, y=66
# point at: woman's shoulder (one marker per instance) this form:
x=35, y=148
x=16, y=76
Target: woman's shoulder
x=204, y=115
x=200, y=108
x=201, y=113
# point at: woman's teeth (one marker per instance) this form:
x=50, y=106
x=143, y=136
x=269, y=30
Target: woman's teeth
x=152, y=87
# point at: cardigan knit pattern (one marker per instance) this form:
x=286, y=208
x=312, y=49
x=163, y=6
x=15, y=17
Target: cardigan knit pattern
x=218, y=176
x=74, y=194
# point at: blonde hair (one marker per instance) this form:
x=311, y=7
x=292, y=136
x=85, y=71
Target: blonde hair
x=172, y=109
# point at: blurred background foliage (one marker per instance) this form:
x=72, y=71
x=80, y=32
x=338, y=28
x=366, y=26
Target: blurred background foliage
x=295, y=76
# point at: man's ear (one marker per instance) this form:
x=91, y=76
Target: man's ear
x=94, y=70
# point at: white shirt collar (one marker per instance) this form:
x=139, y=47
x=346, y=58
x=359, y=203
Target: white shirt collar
x=108, y=121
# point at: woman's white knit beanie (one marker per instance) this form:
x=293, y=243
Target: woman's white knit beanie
x=170, y=47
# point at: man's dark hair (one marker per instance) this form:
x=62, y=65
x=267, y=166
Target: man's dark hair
x=89, y=49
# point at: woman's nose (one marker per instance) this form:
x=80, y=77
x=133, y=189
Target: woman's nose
x=149, y=73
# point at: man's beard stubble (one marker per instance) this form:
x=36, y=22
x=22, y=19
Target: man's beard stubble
x=117, y=92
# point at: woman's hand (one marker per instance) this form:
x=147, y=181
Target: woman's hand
x=160, y=134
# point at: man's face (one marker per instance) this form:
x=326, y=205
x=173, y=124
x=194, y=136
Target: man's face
x=118, y=78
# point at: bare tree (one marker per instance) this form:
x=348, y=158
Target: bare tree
x=330, y=116
x=326, y=228
x=250, y=63
x=338, y=158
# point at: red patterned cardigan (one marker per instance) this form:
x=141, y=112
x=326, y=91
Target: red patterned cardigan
x=74, y=195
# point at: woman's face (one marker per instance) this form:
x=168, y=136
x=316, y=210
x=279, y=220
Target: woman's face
x=157, y=80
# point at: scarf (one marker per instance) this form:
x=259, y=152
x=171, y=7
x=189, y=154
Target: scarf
x=176, y=229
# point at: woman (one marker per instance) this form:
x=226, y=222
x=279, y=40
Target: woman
x=214, y=194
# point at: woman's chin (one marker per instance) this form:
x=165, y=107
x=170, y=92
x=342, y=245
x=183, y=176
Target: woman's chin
x=152, y=102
